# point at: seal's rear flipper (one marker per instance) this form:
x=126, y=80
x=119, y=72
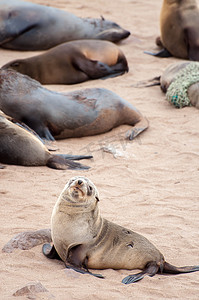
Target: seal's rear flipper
x=139, y=127
x=162, y=53
x=151, y=269
x=59, y=163
x=178, y=270
x=50, y=251
x=75, y=157
x=147, y=83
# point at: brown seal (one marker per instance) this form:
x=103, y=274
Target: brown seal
x=29, y=26
x=83, y=239
x=75, y=114
x=19, y=146
x=73, y=62
x=179, y=23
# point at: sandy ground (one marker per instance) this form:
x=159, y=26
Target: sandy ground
x=152, y=189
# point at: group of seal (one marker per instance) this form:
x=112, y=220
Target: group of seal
x=28, y=26
x=82, y=239
x=179, y=29
x=20, y=146
x=73, y=62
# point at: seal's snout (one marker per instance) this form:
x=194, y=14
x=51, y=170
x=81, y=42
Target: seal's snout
x=80, y=182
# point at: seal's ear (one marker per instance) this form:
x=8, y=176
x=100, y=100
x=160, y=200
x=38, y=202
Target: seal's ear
x=15, y=64
x=96, y=198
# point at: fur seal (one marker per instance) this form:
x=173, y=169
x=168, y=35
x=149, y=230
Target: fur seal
x=179, y=25
x=83, y=239
x=75, y=114
x=29, y=26
x=73, y=62
x=186, y=94
x=19, y=146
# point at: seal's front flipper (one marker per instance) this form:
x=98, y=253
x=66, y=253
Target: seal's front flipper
x=83, y=271
x=96, y=69
x=151, y=269
x=59, y=163
x=46, y=134
x=162, y=53
x=192, y=43
x=77, y=260
x=15, y=27
x=50, y=251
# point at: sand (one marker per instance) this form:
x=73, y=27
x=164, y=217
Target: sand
x=152, y=188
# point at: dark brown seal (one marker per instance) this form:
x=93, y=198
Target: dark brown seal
x=18, y=146
x=73, y=62
x=29, y=26
x=75, y=114
x=83, y=239
x=179, y=24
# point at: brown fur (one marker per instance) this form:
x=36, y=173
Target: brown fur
x=83, y=239
x=73, y=62
x=19, y=146
x=75, y=114
x=179, y=24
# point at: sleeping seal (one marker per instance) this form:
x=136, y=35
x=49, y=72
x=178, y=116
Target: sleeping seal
x=75, y=114
x=29, y=26
x=73, y=62
x=20, y=146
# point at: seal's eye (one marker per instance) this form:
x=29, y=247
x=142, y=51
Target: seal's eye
x=96, y=198
x=90, y=188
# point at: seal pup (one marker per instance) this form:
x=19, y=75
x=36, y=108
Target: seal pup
x=75, y=114
x=83, y=239
x=27, y=26
x=73, y=62
x=18, y=146
x=179, y=29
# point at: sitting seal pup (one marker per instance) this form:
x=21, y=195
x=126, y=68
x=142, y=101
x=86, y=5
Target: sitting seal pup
x=83, y=239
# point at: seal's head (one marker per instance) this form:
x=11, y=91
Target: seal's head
x=80, y=189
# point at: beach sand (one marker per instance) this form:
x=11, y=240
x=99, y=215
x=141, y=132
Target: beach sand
x=151, y=188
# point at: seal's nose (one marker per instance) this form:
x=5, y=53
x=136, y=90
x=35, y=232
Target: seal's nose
x=79, y=182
